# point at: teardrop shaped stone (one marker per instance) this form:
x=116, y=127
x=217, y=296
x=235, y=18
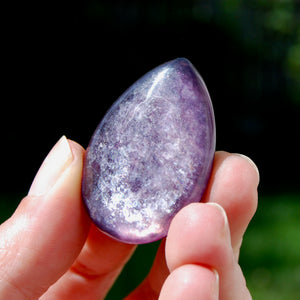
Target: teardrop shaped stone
x=151, y=155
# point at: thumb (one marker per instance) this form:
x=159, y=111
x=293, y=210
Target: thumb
x=47, y=231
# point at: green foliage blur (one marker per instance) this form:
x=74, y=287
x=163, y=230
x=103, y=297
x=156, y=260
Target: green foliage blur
x=271, y=30
x=266, y=29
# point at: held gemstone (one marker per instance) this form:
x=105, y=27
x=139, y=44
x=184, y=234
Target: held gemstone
x=151, y=155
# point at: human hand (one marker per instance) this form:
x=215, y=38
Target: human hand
x=50, y=250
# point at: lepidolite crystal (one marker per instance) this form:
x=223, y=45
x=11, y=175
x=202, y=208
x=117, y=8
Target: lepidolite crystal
x=151, y=155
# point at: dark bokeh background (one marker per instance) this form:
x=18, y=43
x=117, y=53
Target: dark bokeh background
x=64, y=63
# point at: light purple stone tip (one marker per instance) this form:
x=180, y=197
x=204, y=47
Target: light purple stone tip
x=151, y=155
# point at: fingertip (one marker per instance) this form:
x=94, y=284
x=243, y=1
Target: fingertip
x=222, y=211
x=76, y=148
x=244, y=177
x=191, y=282
x=232, y=164
x=199, y=234
x=58, y=160
x=251, y=164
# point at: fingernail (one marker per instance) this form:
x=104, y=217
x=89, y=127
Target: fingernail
x=251, y=162
x=221, y=209
x=56, y=162
x=216, y=285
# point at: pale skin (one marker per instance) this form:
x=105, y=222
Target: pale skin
x=49, y=249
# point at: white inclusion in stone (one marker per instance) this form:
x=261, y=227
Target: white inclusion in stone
x=157, y=79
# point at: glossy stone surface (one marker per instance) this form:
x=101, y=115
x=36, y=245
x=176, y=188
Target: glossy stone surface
x=151, y=155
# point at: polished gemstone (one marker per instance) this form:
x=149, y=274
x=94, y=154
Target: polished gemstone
x=151, y=154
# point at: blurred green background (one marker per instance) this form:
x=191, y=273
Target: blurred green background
x=64, y=64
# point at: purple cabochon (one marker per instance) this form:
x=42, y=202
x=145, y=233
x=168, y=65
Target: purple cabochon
x=151, y=154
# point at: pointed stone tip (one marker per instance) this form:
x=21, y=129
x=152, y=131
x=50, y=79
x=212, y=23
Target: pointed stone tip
x=182, y=60
x=184, y=66
x=182, y=63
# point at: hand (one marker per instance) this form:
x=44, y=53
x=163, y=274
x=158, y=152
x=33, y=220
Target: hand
x=50, y=250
